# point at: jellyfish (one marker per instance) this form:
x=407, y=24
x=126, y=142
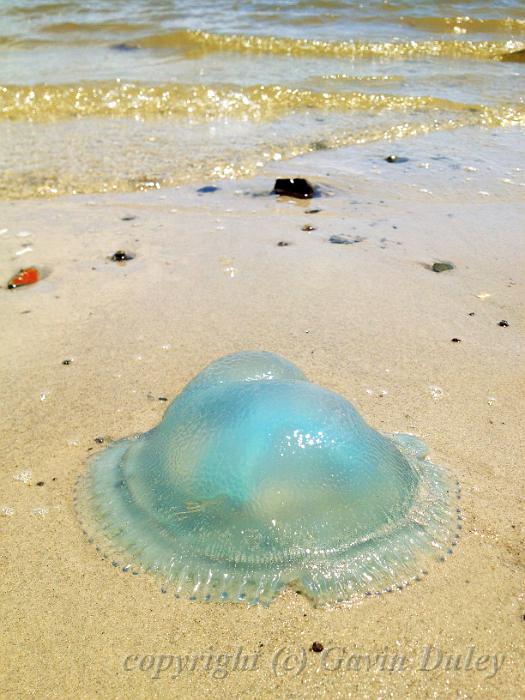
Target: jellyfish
x=257, y=479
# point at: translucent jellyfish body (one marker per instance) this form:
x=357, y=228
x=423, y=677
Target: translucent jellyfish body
x=257, y=479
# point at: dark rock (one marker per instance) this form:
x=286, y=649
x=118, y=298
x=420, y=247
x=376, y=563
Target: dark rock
x=395, y=159
x=294, y=187
x=207, y=189
x=121, y=256
x=504, y=324
x=283, y=244
x=307, y=227
x=456, y=340
x=312, y=211
x=163, y=398
x=124, y=47
x=67, y=362
x=442, y=266
x=39, y=483
x=344, y=240
x=128, y=218
x=99, y=440
x=317, y=647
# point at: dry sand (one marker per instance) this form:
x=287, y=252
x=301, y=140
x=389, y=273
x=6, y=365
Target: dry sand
x=368, y=320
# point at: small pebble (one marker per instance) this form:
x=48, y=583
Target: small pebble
x=128, y=218
x=207, y=189
x=456, y=340
x=343, y=240
x=442, y=266
x=395, y=159
x=307, y=227
x=317, y=647
x=39, y=483
x=283, y=244
x=28, y=275
x=504, y=324
x=121, y=256
x=294, y=187
x=163, y=398
x=99, y=440
x=67, y=362
x=312, y=211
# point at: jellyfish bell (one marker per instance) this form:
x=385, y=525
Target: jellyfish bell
x=256, y=479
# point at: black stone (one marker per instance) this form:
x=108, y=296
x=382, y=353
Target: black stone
x=67, y=362
x=396, y=159
x=456, y=340
x=163, y=398
x=207, y=189
x=283, y=244
x=128, y=218
x=504, y=324
x=99, y=440
x=293, y=187
x=121, y=255
x=307, y=227
x=317, y=647
x=312, y=211
x=39, y=483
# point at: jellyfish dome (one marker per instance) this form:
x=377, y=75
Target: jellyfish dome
x=257, y=479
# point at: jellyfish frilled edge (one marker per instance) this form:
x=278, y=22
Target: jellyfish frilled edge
x=257, y=479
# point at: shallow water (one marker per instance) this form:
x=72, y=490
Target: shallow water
x=102, y=96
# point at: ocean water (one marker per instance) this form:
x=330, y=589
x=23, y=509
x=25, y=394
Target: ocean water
x=114, y=95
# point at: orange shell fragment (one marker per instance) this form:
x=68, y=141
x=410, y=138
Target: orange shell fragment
x=28, y=275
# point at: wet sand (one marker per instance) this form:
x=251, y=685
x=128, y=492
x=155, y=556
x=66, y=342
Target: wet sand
x=368, y=320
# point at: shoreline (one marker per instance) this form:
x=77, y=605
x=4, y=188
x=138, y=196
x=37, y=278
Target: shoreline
x=367, y=319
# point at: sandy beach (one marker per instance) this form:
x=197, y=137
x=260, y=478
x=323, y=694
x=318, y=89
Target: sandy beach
x=369, y=320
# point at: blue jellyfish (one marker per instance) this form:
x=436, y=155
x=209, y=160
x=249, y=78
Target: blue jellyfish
x=257, y=479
